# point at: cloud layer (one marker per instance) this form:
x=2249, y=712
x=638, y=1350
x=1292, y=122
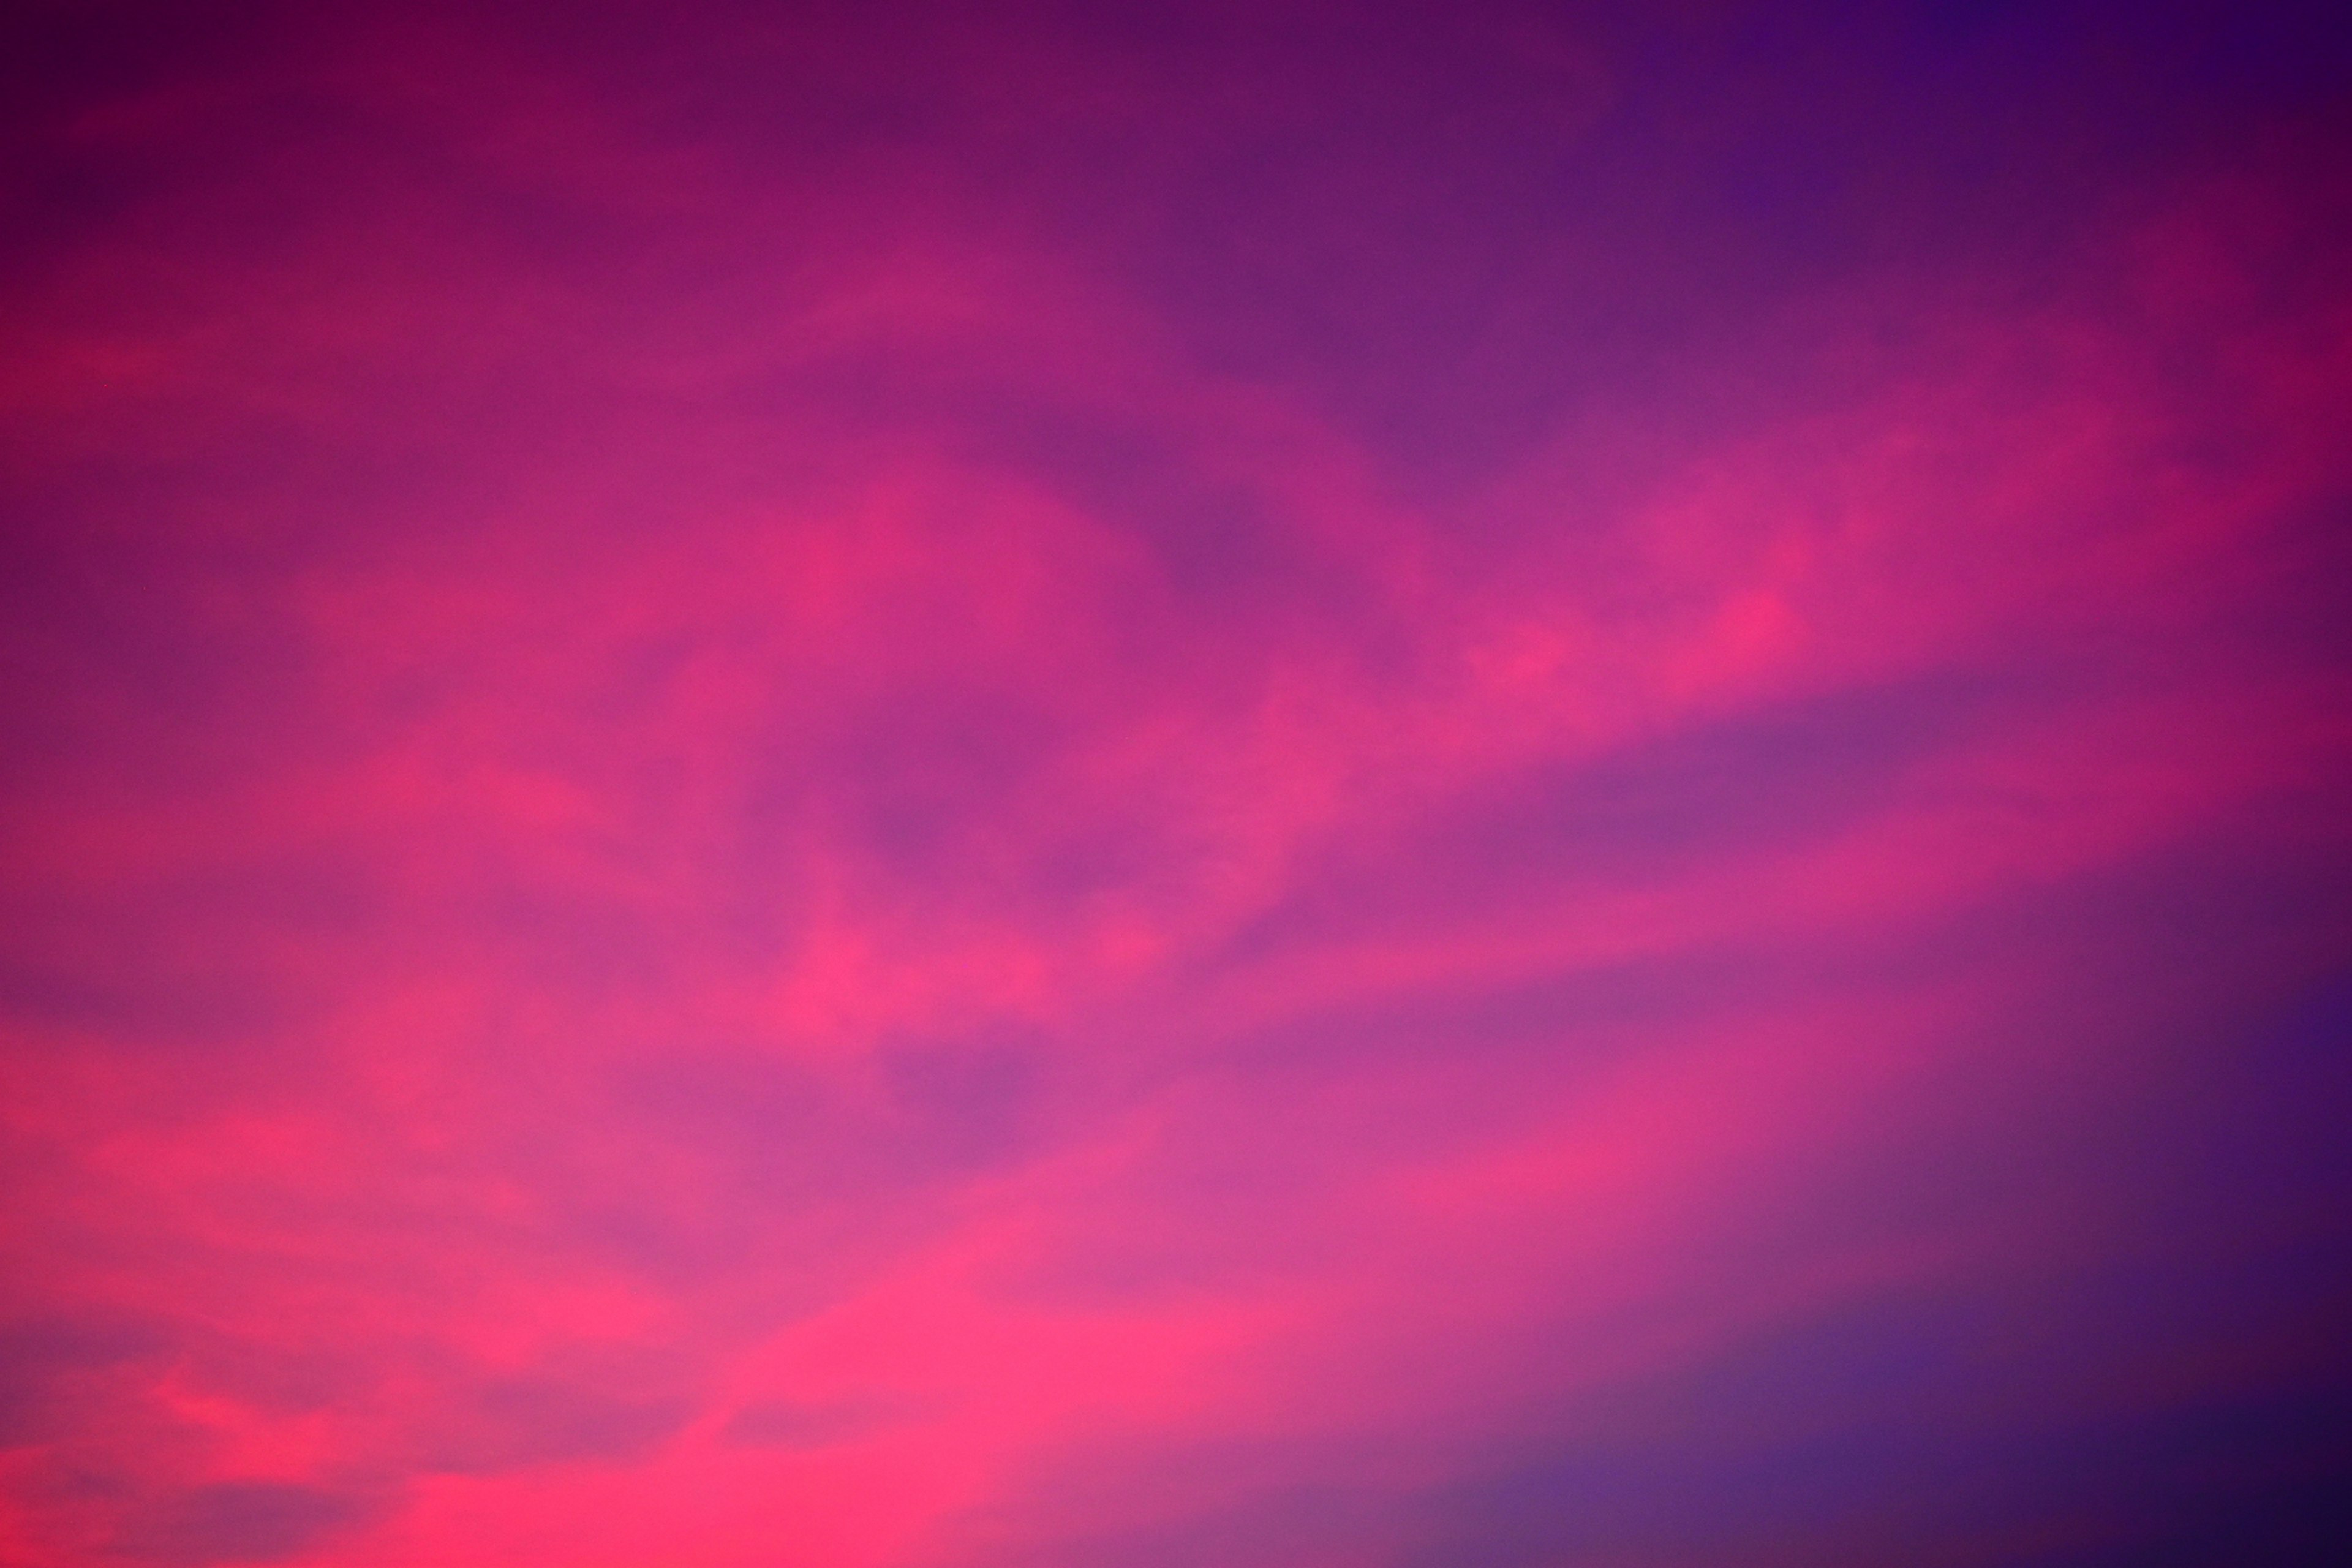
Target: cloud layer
x=1264, y=788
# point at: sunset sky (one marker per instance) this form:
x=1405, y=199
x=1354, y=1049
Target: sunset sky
x=1203, y=785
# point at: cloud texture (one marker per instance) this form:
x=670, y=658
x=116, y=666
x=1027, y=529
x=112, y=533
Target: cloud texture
x=1055, y=786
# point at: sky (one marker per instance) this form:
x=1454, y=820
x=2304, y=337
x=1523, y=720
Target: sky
x=1239, y=785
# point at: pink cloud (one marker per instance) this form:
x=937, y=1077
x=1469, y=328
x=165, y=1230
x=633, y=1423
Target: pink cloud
x=763, y=817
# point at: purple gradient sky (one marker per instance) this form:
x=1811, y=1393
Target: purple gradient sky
x=1231, y=787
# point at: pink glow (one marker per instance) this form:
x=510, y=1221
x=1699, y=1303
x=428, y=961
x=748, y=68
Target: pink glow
x=811, y=790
